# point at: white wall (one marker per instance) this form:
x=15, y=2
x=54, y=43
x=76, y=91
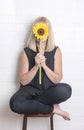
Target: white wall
x=67, y=18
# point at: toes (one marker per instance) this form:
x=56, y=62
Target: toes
x=66, y=118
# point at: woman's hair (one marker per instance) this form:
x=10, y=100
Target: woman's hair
x=31, y=42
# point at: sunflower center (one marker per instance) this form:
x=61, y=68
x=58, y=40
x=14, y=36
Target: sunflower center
x=40, y=31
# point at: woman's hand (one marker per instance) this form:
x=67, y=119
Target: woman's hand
x=43, y=60
x=40, y=60
x=37, y=59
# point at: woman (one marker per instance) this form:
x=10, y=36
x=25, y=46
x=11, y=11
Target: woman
x=32, y=97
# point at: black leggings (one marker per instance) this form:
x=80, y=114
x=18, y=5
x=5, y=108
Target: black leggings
x=30, y=100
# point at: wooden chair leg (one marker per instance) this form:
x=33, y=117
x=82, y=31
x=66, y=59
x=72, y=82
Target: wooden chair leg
x=51, y=122
x=24, y=123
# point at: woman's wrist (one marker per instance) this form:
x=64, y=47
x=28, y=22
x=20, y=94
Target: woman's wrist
x=44, y=66
x=36, y=66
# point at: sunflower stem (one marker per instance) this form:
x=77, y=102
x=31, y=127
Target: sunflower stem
x=40, y=69
x=40, y=74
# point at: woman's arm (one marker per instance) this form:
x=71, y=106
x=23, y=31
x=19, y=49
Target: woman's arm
x=56, y=75
x=25, y=74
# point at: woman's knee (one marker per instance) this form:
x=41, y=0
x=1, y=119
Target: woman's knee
x=68, y=90
x=14, y=105
x=64, y=91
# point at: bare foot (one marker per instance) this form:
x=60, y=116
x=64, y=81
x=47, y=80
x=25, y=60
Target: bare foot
x=57, y=110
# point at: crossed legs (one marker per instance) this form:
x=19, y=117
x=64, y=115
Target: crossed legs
x=29, y=100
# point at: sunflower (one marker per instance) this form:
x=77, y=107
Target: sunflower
x=40, y=31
